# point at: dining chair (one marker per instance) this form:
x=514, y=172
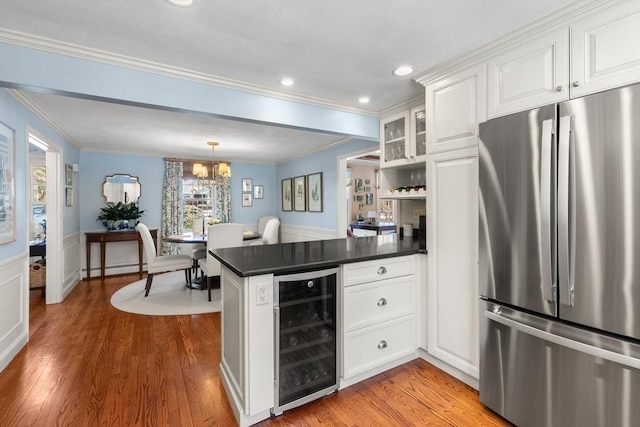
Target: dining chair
x=262, y=222
x=228, y=235
x=163, y=263
x=270, y=233
x=198, y=251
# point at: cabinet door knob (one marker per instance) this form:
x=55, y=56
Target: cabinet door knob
x=382, y=345
x=559, y=89
x=382, y=270
x=310, y=284
x=576, y=83
x=381, y=302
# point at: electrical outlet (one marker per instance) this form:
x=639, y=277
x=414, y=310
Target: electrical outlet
x=263, y=294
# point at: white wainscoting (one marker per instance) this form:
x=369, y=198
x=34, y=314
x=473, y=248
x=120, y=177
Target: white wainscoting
x=14, y=306
x=71, y=249
x=120, y=257
x=295, y=233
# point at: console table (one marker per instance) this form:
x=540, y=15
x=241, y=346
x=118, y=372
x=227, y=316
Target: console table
x=103, y=237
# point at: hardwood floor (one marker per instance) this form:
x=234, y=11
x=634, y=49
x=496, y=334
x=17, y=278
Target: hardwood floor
x=88, y=364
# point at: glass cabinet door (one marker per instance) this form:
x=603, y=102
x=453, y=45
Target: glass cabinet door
x=419, y=128
x=394, y=140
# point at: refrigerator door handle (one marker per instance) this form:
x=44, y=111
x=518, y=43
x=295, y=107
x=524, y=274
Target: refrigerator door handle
x=612, y=356
x=564, y=250
x=546, y=237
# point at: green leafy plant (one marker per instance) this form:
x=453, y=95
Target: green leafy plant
x=118, y=211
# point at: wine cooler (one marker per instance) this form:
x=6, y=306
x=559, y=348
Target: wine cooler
x=306, y=337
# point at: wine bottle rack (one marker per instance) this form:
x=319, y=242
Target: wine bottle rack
x=307, y=340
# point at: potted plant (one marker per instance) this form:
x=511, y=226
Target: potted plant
x=120, y=216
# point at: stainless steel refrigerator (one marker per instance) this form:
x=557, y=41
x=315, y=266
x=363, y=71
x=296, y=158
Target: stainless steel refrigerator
x=559, y=262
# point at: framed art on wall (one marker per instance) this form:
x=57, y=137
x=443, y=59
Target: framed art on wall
x=247, y=200
x=246, y=185
x=68, y=197
x=258, y=192
x=7, y=185
x=287, y=200
x=314, y=192
x=299, y=194
x=68, y=174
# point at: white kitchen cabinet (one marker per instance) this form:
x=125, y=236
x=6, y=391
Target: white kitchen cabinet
x=456, y=104
x=605, y=49
x=529, y=75
x=452, y=244
x=379, y=314
x=595, y=53
x=402, y=138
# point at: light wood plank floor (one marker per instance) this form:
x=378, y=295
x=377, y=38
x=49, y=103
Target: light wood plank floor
x=88, y=364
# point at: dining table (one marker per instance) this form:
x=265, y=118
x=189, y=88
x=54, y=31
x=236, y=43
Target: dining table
x=200, y=238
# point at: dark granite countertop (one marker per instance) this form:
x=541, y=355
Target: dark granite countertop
x=285, y=258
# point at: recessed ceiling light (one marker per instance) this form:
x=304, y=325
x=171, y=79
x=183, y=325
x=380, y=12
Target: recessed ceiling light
x=287, y=81
x=364, y=100
x=181, y=3
x=403, y=70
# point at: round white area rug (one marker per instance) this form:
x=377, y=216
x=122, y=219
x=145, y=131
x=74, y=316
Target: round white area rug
x=168, y=296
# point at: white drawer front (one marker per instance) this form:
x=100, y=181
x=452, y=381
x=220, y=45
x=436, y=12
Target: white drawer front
x=379, y=269
x=376, y=302
x=367, y=348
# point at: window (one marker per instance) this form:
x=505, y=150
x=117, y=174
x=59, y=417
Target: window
x=198, y=201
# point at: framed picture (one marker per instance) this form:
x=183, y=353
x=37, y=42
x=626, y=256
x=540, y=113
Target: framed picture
x=369, y=198
x=367, y=189
x=68, y=199
x=247, y=200
x=299, y=193
x=358, y=198
x=358, y=184
x=247, y=185
x=314, y=192
x=287, y=200
x=7, y=185
x=258, y=192
x=68, y=174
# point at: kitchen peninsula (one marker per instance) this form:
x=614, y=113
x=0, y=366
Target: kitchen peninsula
x=376, y=325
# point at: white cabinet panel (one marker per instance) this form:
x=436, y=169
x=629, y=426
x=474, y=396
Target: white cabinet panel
x=376, y=302
x=455, y=106
x=368, y=348
x=605, y=49
x=452, y=243
x=529, y=75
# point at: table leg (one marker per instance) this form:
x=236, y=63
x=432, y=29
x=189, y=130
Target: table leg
x=102, y=259
x=88, y=252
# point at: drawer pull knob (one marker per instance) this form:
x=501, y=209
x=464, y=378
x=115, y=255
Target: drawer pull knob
x=382, y=345
x=381, y=302
x=310, y=284
x=382, y=270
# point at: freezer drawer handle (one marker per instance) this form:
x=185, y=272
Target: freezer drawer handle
x=382, y=345
x=382, y=270
x=611, y=356
x=382, y=302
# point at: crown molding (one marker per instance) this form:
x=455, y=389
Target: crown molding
x=96, y=55
x=320, y=149
x=559, y=19
x=35, y=109
x=410, y=103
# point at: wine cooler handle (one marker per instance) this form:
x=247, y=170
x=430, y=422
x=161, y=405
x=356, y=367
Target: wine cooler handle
x=382, y=270
x=382, y=301
x=382, y=345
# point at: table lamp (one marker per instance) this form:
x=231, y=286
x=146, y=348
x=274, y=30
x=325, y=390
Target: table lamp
x=372, y=216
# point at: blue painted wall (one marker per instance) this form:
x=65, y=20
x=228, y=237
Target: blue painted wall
x=150, y=171
x=327, y=163
x=16, y=116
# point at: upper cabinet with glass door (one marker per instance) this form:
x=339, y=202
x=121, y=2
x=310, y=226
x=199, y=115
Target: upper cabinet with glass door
x=402, y=138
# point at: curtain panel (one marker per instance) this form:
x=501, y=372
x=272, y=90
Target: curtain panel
x=172, y=206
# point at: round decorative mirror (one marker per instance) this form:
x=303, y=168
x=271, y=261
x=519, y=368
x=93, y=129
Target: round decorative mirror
x=121, y=188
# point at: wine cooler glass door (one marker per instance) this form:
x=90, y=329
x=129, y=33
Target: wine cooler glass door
x=306, y=337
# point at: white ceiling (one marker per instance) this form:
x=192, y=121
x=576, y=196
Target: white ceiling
x=336, y=50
